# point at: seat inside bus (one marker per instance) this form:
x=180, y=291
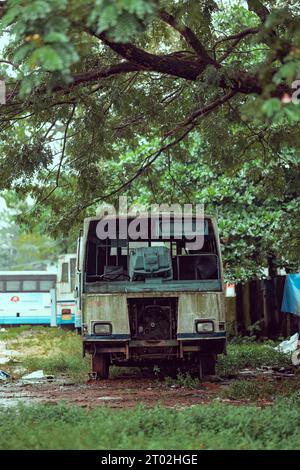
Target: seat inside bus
x=131, y=261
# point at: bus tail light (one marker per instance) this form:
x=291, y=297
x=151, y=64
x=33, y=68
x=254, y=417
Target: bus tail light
x=66, y=314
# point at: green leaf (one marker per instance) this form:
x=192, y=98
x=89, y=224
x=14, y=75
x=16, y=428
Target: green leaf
x=56, y=37
x=48, y=58
x=271, y=107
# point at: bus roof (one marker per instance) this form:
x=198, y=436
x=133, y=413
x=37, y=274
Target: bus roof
x=29, y=273
x=88, y=220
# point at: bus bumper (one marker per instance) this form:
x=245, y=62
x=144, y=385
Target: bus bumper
x=139, y=351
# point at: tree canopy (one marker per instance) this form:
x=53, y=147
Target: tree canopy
x=156, y=99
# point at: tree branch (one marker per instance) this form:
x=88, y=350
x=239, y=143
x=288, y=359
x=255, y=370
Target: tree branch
x=259, y=8
x=189, y=36
x=202, y=112
x=236, y=38
x=169, y=64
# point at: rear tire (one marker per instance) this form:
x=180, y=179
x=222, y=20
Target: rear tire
x=100, y=365
x=207, y=366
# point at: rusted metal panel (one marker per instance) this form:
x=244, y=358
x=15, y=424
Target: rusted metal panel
x=111, y=308
x=193, y=306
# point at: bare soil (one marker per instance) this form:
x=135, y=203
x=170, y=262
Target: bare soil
x=125, y=391
x=117, y=392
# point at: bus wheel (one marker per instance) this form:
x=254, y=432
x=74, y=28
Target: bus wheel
x=100, y=365
x=207, y=366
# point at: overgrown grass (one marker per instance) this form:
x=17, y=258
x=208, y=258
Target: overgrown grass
x=215, y=426
x=14, y=332
x=54, y=350
x=254, y=389
x=66, y=357
x=250, y=355
x=183, y=380
x=57, y=351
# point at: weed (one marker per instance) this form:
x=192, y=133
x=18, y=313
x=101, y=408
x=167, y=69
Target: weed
x=182, y=380
x=254, y=389
x=214, y=426
x=251, y=355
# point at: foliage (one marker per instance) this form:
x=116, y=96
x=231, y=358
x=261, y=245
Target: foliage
x=183, y=380
x=54, y=350
x=251, y=355
x=161, y=101
x=27, y=248
x=260, y=389
x=214, y=426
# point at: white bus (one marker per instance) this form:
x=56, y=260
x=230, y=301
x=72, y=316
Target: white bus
x=65, y=286
x=40, y=297
x=25, y=297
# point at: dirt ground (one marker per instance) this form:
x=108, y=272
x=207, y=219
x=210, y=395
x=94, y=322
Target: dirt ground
x=128, y=387
x=124, y=391
x=118, y=392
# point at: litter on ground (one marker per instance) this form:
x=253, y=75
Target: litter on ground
x=4, y=375
x=36, y=376
x=290, y=345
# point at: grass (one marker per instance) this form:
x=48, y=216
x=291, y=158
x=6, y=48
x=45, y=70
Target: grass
x=184, y=380
x=54, y=350
x=214, y=426
x=261, y=389
x=240, y=355
x=58, y=351
x=250, y=355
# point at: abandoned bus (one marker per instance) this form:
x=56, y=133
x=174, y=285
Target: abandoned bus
x=66, y=312
x=25, y=297
x=151, y=302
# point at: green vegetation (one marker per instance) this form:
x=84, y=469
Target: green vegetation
x=162, y=101
x=54, y=350
x=214, y=426
x=58, y=351
x=262, y=389
x=251, y=355
x=182, y=380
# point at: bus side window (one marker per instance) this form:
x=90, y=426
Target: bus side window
x=65, y=272
x=73, y=273
x=13, y=286
x=46, y=285
x=2, y=288
x=29, y=285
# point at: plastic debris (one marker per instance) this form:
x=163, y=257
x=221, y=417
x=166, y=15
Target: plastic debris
x=109, y=398
x=4, y=375
x=296, y=358
x=290, y=345
x=4, y=360
x=6, y=355
x=36, y=376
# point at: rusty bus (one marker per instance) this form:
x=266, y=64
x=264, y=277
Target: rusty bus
x=152, y=302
